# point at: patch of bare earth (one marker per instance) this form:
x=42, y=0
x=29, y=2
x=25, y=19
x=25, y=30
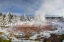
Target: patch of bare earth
x=32, y=28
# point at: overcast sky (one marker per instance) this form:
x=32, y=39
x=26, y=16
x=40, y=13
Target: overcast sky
x=41, y=7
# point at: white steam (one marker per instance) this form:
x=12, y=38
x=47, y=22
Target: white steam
x=55, y=7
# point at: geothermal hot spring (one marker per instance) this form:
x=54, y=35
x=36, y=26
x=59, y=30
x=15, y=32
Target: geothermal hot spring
x=37, y=28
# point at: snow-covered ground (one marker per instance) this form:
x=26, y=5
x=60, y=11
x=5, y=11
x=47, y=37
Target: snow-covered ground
x=58, y=25
x=59, y=31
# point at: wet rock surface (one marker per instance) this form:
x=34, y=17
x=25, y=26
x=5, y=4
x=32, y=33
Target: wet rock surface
x=54, y=38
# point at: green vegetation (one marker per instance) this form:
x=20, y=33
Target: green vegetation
x=4, y=40
x=1, y=32
x=61, y=37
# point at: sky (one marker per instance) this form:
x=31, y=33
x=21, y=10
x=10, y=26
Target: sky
x=37, y=7
x=20, y=6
